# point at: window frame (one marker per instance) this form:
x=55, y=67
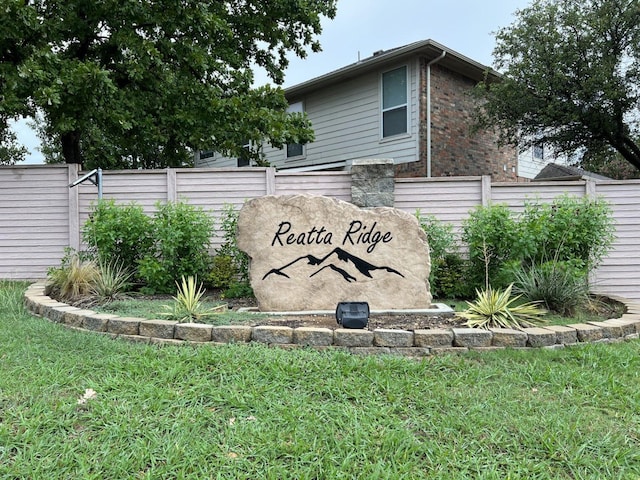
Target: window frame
x=295, y=107
x=398, y=106
x=246, y=161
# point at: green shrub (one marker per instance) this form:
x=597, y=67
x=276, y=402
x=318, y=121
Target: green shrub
x=450, y=280
x=120, y=234
x=231, y=265
x=223, y=272
x=182, y=235
x=569, y=229
x=447, y=266
x=491, y=235
x=561, y=286
x=238, y=290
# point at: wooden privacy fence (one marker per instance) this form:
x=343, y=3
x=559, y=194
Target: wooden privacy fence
x=40, y=215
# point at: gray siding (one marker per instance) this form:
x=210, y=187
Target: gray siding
x=346, y=120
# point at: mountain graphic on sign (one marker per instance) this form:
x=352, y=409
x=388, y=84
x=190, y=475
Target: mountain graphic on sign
x=327, y=262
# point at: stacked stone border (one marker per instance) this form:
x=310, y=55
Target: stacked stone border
x=418, y=343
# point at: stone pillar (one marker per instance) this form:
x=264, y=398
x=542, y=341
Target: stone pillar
x=372, y=183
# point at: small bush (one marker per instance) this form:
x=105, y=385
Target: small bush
x=442, y=244
x=561, y=286
x=572, y=229
x=450, y=280
x=491, y=234
x=112, y=282
x=119, y=233
x=238, y=290
x=223, y=272
x=229, y=248
x=569, y=229
x=182, y=236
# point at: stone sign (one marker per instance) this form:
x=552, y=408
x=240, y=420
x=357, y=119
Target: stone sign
x=311, y=252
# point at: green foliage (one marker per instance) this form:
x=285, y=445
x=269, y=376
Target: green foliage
x=497, y=308
x=12, y=304
x=491, y=234
x=182, y=235
x=567, y=229
x=569, y=76
x=229, y=248
x=188, y=306
x=10, y=151
x=451, y=279
x=120, y=234
x=137, y=85
x=223, y=271
x=442, y=248
x=608, y=163
x=238, y=290
x=561, y=287
x=570, y=228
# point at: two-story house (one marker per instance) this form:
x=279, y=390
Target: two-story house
x=412, y=104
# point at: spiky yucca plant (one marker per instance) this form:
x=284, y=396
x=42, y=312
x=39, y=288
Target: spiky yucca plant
x=112, y=282
x=497, y=308
x=188, y=306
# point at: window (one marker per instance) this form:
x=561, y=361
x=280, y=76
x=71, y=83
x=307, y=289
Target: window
x=394, y=102
x=244, y=159
x=295, y=149
x=538, y=152
x=206, y=154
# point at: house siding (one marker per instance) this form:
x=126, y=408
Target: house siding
x=346, y=121
x=455, y=149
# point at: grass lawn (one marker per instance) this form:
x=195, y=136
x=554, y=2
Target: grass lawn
x=253, y=412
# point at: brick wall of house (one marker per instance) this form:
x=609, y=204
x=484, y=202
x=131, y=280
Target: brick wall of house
x=455, y=150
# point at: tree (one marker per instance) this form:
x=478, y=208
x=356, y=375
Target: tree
x=571, y=70
x=143, y=82
x=609, y=164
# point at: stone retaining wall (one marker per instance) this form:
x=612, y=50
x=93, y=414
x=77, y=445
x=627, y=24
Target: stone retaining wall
x=419, y=343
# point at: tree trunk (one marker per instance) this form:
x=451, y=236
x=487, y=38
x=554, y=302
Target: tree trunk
x=629, y=151
x=71, y=147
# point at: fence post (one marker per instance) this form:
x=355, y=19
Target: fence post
x=172, y=195
x=486, y=190
x=270, y=181
x=73, y=212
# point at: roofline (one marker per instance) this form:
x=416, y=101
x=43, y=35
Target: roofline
x=427, y=48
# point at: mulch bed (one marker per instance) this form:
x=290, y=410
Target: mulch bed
x=395, y=321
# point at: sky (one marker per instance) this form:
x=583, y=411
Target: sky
x=362, y=27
